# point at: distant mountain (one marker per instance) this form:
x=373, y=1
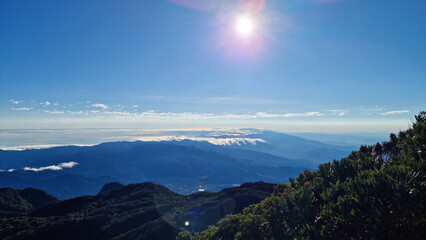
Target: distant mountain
x=180, y=164
x=182, y=168
x=245, y=152
x=62, y=184
x=293, y=147
x=349, y=139
x=136, y=211
x=275, y=143
x=21, y=201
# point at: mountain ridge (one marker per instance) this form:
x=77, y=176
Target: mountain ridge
x=23, y=201
x=182, y=167
x=135, y=211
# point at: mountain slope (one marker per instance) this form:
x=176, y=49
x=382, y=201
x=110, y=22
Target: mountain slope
x=61, y=184
x=21, y=201
x=293, y=147
x=136, y=211
x=111, y=186
x=181, y=168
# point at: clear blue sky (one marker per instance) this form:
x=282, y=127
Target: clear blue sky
x=308, y=65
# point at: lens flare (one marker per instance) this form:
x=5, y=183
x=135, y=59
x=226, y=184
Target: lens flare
x=251, y=6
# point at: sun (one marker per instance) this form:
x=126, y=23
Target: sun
x=244, y=25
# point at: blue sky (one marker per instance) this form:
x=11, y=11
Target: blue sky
x=308, y=65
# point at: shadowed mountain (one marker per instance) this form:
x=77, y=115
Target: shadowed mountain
x=62, y=184
x=136, y=211
x=111, y=186
x=21, y=201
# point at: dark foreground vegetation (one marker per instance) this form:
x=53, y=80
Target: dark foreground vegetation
x=14, y=201
x=378, y=192
x=135, y=211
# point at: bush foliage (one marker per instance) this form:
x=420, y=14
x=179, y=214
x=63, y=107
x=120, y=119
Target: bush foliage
x=378, y=192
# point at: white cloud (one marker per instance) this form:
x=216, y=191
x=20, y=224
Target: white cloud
x=54, y=112
x=68, y=164
x=56, y=104
x=371, y=109
x=47, y=103
x=235, y=132
x=118, y=113
x=43, y=146
x=394, y=112
x=339, y=112
x=233, y=100
x=22, y=109
x=14, y=101
x=306, y=114
x=212, y=140
x=118, y=106
x=77, y=112
x=152, y=114
x=100, y=105
x=106, y=113
x=58, y=167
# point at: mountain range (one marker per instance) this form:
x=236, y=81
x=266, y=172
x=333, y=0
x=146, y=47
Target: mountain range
x=184, y=166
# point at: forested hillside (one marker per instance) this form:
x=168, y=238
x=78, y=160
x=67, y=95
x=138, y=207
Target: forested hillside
x=136, y=211
x=378, y=192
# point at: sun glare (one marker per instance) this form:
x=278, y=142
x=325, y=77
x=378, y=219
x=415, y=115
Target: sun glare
x=244, y=25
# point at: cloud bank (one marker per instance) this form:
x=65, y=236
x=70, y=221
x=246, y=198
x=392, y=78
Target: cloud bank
x=212, y=140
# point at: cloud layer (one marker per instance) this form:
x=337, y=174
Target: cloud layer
x=155, y=115
x=212, y=140
x=89, y=111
